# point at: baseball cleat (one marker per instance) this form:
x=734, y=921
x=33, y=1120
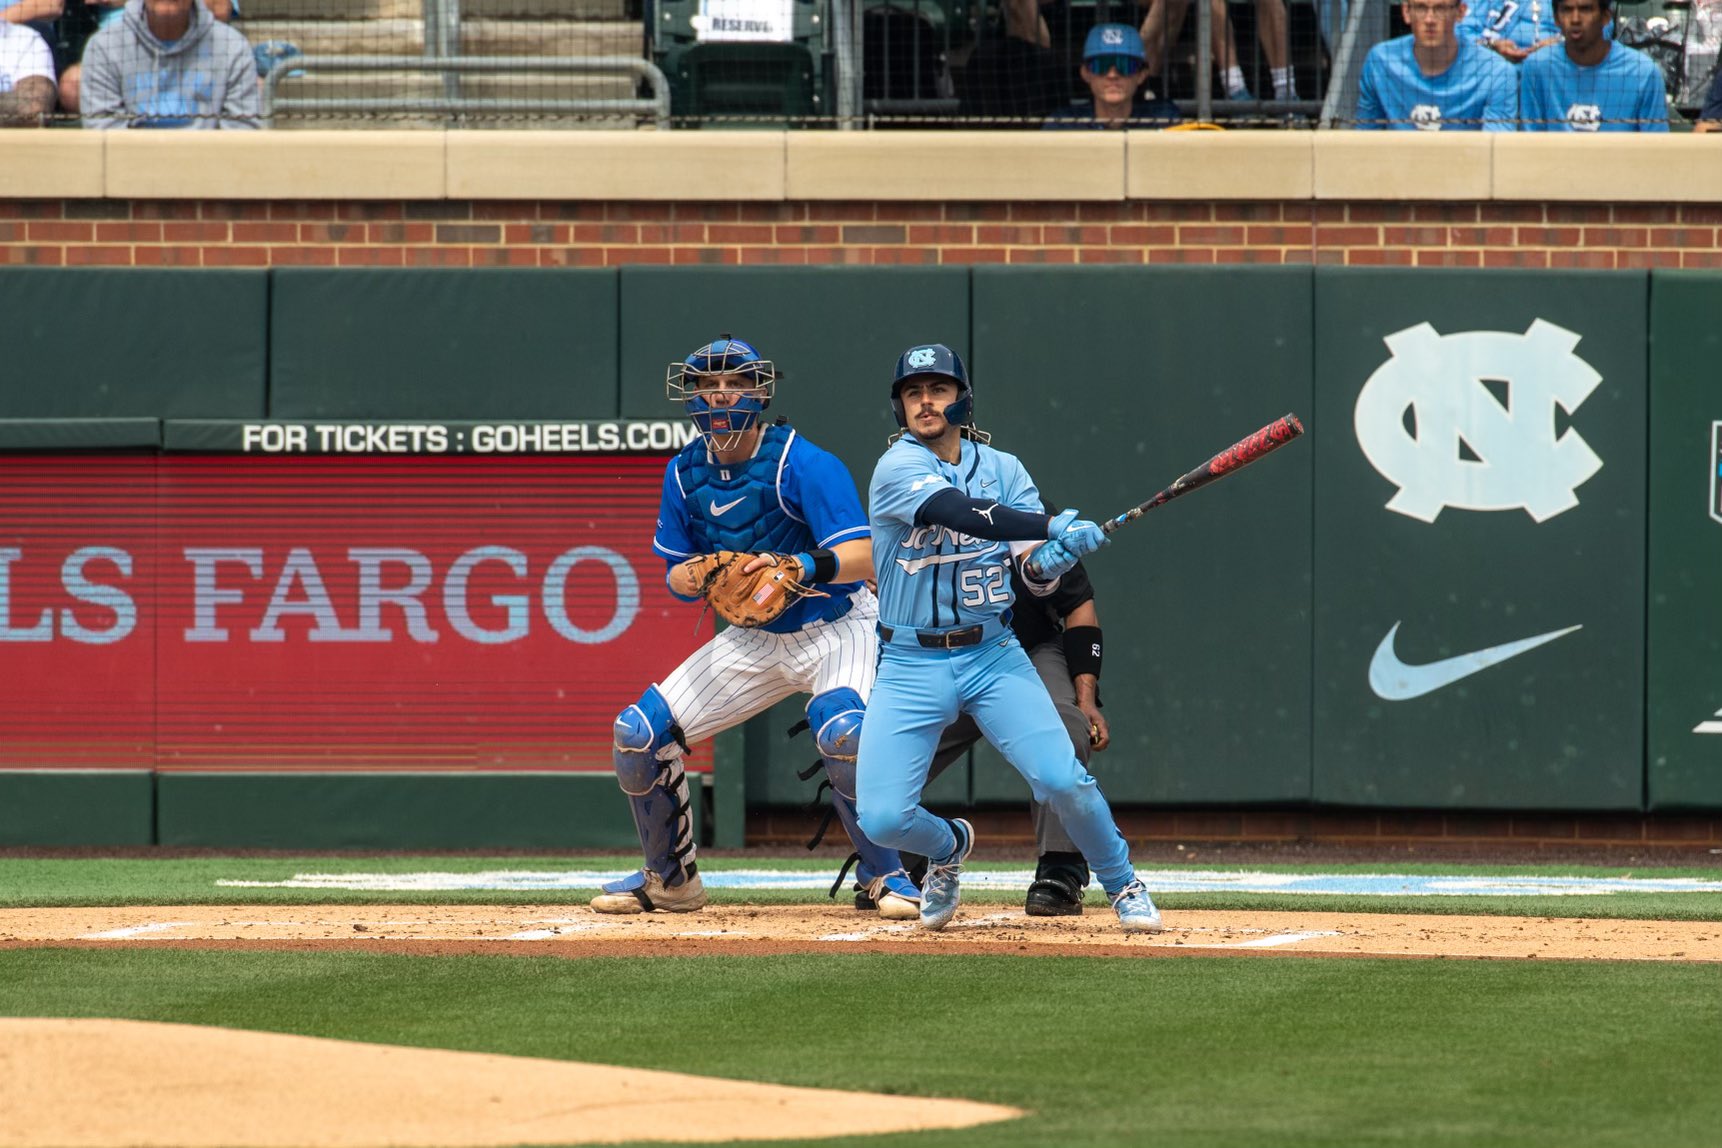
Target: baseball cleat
x=1136, y=911
x=645, y=891
x=895, y=896
x=1054, y=893
x=939, y=895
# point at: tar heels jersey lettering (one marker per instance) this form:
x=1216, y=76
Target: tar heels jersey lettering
x=932, y=577
x=790, y=497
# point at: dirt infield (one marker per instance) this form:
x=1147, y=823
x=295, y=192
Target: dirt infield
x=107, y=1083
x=575, y=931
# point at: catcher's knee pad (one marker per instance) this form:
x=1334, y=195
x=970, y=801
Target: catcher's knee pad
x=646, y=739
x=835, y=717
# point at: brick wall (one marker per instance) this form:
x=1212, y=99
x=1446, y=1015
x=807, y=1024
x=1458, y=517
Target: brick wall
x=456, y=233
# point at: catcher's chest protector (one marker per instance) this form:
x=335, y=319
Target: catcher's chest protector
x=737, y=507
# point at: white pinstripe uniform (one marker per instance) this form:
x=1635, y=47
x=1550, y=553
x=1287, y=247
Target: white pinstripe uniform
x=742, y=672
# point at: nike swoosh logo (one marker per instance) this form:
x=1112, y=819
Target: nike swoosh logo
x=1395, y=681
x=916, y=565
x=718, y=511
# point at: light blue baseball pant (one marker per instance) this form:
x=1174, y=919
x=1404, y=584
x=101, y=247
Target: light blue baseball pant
x=918, y=692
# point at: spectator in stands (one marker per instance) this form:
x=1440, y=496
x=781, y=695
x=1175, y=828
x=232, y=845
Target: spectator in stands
x=1431, y=80
x=1114, y=67
x=1591, y=83
x=105, y=13
x=1710, y=119
x=1514, y=28
x=1165, y=20
x=169, y=64
x=26, y=76
x=30, y=11
x=1016, y=74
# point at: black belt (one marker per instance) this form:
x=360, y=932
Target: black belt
x=943, y=639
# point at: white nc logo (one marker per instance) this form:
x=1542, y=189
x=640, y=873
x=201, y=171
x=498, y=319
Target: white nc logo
x=1515, y=460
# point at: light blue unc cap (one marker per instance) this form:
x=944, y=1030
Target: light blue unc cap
x=1113, y=40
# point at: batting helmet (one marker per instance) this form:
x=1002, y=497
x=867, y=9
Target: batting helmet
x=723, y=356
x=939, y=361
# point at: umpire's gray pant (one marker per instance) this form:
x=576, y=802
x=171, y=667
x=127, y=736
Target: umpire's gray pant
x=960, y=735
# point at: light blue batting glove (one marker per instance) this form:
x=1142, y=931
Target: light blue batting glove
x=1079, y=536
x=1050, y=560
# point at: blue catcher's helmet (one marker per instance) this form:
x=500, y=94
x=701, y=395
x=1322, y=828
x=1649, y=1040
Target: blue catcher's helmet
x=938, y=360
x=722, y=426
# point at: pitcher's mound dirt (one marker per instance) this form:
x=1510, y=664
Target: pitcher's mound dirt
x=108, y=1083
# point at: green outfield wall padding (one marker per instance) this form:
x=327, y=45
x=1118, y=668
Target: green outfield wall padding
x=1480, y=487
x=89, y=343
x=1684, y=715
x=393, y=811
x=77, y=807
x=835, y=334
x=80, y=434
x=443, y=344
x=1109, y=384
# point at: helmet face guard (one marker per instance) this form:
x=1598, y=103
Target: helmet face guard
x=722, y=426
x=935, y=360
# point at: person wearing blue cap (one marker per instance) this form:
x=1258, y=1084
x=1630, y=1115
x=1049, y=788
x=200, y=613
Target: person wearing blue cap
x=1114, y=67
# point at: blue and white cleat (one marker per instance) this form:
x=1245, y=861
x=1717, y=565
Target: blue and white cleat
x=1136, y=911
x=939, y=892
x=895, y=896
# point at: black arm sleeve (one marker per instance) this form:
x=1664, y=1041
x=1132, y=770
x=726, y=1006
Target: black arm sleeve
x=979, y=518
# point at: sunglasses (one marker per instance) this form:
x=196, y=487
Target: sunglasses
x=1123, y=65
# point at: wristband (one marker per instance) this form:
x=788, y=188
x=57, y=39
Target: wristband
x=1082, y=650
x=818, y=565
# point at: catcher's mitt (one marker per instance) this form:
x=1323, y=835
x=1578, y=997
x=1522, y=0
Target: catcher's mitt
x=749, y=599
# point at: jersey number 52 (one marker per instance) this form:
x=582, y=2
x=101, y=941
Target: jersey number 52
x=984, y=584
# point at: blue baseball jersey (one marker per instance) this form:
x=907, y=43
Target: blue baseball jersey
x=1478, y=91
x=931, y=577
x=1624, y=93
x=790, y=497
x=1524, y=22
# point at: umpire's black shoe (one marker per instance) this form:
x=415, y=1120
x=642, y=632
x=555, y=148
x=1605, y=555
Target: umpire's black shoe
x=1056, y=891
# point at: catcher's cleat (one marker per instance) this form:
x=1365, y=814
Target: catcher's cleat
x=1055, y=892
x=645, y=891
x=1136, y=911
x=940, y=893
x=893, y=895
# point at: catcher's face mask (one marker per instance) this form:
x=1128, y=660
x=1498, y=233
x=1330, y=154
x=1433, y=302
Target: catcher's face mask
x=724, y=387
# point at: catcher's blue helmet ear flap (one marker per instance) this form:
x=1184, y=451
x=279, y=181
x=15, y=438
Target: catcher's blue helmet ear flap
x=938, y=360
x=723, y=356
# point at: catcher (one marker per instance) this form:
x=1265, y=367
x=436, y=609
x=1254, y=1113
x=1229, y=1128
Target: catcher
x=768, y=529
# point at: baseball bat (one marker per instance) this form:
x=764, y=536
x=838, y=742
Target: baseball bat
x=1240, y=454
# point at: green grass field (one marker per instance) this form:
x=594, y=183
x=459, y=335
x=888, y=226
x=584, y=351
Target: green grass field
x=1193, y=1051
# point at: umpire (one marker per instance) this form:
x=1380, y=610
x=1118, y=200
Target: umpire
x=1061, y=633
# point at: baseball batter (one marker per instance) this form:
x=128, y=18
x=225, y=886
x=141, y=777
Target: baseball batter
x=1061, y=634
x=744, y=485
x=949, y=516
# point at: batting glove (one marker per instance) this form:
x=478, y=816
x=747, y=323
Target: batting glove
x=1078, y=536
x=1050, y=560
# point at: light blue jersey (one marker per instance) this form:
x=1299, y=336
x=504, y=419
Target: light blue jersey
x=1524, y=22
x=1624, y=93
x=1478, y=91
x=931, y=577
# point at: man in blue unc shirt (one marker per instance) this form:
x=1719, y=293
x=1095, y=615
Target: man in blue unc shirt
x=950, y=515
x=748, y=486
x=1591, y=83
x=1433, y=81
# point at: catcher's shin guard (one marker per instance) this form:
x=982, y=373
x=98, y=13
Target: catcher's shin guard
x=835, y=718
x=648, y=754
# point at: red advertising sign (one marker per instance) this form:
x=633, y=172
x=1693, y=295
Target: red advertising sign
x=411, y=612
